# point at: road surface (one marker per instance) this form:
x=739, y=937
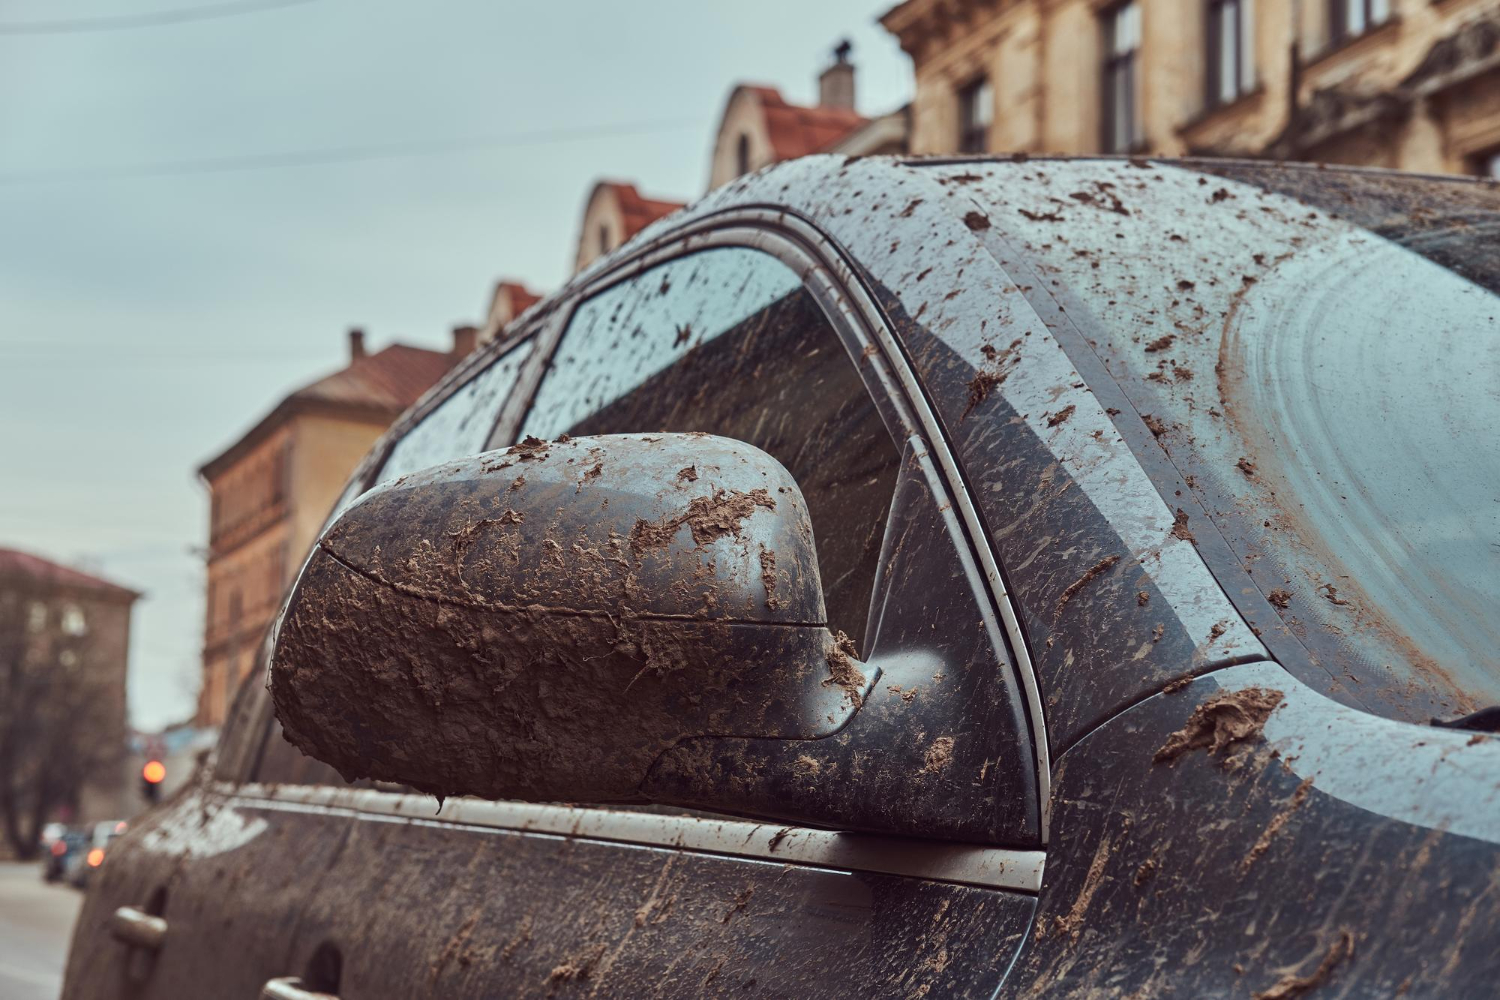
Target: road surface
x=36, y=922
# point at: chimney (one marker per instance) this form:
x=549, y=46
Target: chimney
x=836, y=83
x=465, y=339
x=356, y=344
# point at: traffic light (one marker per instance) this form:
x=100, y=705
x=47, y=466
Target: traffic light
x=151, y=779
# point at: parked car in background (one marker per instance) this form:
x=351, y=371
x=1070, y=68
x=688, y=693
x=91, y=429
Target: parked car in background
x=60, y=843
x=945, y=578
x=96, y=841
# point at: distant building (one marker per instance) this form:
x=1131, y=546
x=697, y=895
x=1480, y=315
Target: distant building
x=760, y=127
x=271, y=491
x=1412, y=84
x=509, y=300
x=614, y=212
x=64, y=653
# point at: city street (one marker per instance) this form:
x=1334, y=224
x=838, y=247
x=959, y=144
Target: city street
x=36, y=921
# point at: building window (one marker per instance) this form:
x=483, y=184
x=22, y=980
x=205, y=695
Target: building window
x=742, y=155
x=1486, y=164
x=1348, y=18
x=1122, y=42
x=72, y=621
x=36, y=616
x=1231, y=50
x=603, y=238
x=976, y=110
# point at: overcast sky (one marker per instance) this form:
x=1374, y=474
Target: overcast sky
x=151, y=311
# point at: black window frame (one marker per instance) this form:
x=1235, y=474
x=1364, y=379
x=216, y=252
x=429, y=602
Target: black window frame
x=1226, y=83
x=1120, y=71
x=1343, y=26
x=976, y=114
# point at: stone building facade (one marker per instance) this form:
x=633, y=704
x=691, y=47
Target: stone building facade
x=271, y=491
x=64, y=656
x=1410, y=84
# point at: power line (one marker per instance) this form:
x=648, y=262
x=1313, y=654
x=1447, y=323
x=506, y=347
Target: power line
x=150, y=19
x=339, y=154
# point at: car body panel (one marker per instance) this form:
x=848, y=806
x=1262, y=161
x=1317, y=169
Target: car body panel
x=1326, y=847
x=230, y=885
x=618, y=903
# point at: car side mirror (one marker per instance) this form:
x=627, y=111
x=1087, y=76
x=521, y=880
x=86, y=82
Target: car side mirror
x=544, y=622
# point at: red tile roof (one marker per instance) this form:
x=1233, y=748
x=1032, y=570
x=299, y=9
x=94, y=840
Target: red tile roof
x=23, y=565
x=795, y=130
x=375, y=387
x=637, y=210
x=521, y=297
x=391, y=379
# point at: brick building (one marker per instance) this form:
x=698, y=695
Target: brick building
x=1395, y=83
x=64, y=656
x=271, y=491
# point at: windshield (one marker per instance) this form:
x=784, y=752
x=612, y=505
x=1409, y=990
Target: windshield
x=1319, y=353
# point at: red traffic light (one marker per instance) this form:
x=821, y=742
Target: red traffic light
x=154, y=772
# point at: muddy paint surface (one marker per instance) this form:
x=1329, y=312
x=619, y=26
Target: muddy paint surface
x=579, y=918
x=184, y=862
x=462, y=635
x=1213, y=849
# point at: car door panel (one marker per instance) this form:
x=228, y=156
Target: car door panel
x=462, y=911
x=229, y=885
x=1342, y=852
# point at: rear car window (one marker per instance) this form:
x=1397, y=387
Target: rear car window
x=727, y=341
x=1318, y=351
x=462, y=423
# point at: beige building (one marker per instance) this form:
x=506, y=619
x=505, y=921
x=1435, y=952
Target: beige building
x=1397, y=83
x=614, y=212
x=509, y=300
x=64, y=645
x=760, y=127
x=757, y=128
x=271, y=490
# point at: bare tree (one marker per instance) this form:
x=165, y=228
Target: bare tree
x=59, y=725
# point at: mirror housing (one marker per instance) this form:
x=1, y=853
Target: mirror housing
x=546, y=621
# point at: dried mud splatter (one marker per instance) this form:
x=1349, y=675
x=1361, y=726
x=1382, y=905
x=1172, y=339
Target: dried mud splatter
x=842, y=670
x=1291, y=985
x=708, y=518
x=939, y=756
x=1070, y=925
x=1222, y=724
x=1263, y=842
x=1089, y=575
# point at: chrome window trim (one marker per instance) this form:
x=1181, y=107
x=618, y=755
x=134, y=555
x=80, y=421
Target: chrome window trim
x=938, y=861
x=825, y=270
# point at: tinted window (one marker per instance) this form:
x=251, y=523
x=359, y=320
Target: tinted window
x=728, y=342
x=462, y=424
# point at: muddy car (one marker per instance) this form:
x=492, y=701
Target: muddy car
x=897, y=579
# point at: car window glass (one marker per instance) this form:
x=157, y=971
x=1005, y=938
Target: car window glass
x=462, y=423
x=728, y=342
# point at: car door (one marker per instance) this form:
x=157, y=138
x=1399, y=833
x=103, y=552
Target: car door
x=931, y=898
x=200, y=897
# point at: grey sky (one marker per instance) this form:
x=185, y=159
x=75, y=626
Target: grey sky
x=146, y=321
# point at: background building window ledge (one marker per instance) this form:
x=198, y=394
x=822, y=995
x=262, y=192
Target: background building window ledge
x=1352, y=43
x=1224, y=110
